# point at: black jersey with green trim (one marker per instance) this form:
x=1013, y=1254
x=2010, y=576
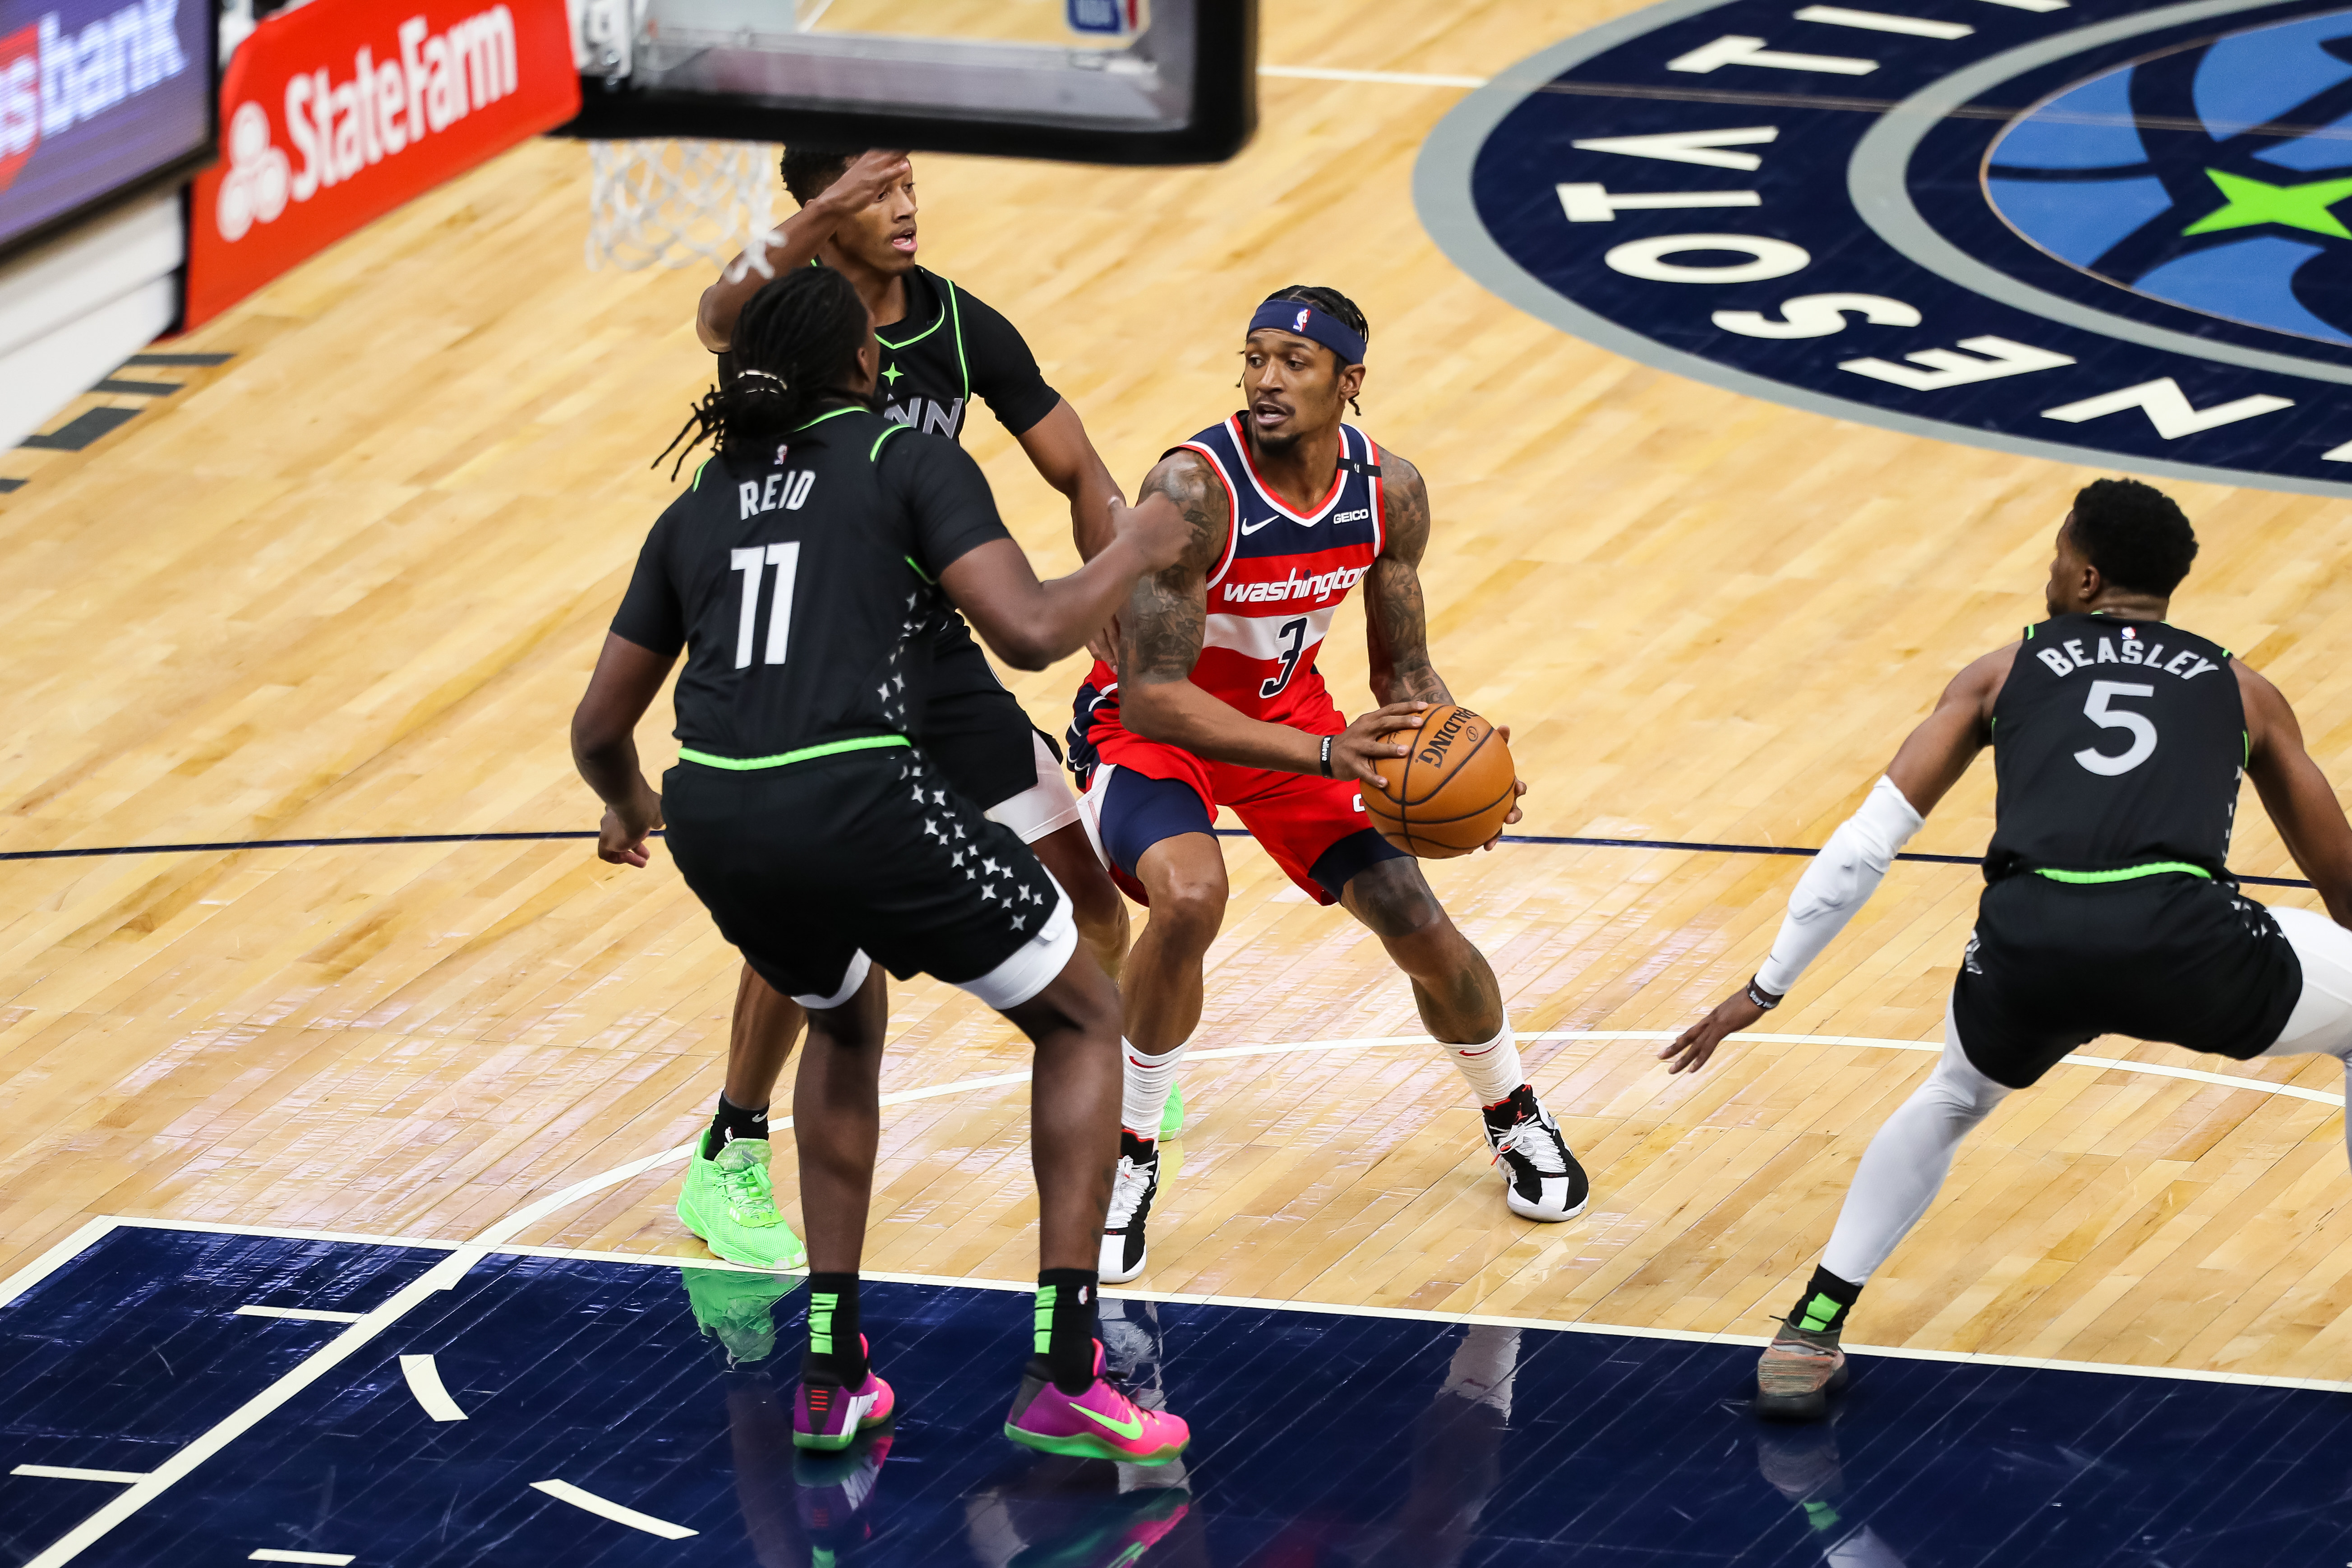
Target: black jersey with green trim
x=802, y=586
x=948, y=349
x=2115, y=743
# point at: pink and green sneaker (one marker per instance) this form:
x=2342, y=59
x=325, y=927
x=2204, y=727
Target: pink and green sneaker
x=829, y=1417
x=1100, y=1423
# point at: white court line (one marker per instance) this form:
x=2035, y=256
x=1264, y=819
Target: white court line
x=462, y=1257
x=54, y=1259
x=75, y=1473
x=565, y=1491
x=304, y=1314
x=274, y=1555
x=425, y=1382
x=1388, y=78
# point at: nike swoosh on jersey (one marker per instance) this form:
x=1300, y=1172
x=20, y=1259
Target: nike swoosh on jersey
x=1249, y=528
x=1130, y=1429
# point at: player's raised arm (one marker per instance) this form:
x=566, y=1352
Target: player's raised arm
x=1396, y=626
x=1850, y=866
x=1161, y=634
x=2303, y=807
x=793, y=243
x=1065, y=459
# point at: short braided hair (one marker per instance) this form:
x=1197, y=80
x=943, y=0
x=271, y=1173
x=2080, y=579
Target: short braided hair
x=795, y=349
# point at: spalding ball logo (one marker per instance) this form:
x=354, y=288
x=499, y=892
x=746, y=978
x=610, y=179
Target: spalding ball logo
x=1435, y=747
x=2096, y=231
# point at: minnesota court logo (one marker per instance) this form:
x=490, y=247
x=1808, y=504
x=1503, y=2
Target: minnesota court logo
x=2084, y=229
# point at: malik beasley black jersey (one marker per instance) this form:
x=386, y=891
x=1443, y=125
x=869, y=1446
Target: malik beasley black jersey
x=2115, y=743
x=802, y=585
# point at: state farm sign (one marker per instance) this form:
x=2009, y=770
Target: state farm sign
x=341, y=111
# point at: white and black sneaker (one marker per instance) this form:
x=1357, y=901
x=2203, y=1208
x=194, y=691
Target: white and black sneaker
x=1132, y=1189
x=1541, y=1180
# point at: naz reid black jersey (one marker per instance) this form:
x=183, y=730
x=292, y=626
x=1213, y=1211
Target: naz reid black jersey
x=2115, y=743
x=802, y=588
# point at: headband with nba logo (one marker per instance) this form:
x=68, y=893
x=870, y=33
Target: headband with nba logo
x=1293, y=316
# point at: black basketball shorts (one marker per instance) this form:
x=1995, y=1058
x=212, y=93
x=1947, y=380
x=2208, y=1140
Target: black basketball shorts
x=2169, y=957
x=974, y=728
x=816, y=869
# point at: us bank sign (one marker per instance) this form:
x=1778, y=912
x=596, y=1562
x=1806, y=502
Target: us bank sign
x=2081, y=229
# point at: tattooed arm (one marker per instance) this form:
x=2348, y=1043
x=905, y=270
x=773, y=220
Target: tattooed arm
x=1395, y=622
x=1164, y=628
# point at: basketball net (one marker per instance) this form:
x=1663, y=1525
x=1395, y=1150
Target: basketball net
x=675, y=203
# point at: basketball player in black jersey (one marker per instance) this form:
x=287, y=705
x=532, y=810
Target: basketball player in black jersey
x=804, y=573
x=941, y=347
x=2118, y=742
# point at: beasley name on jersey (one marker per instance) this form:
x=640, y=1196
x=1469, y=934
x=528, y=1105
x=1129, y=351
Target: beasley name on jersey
x=1284, y=574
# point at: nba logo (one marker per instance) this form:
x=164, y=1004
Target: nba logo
x=1117, y=18
x=1300, y=325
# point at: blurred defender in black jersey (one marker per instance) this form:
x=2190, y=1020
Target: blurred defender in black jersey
x=940, y=348
x=805, y=572
x=2118, y=742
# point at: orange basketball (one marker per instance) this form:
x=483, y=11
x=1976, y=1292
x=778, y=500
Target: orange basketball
x=1451, y=796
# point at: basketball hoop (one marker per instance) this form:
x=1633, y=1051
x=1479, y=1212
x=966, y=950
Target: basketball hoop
x=674, y=203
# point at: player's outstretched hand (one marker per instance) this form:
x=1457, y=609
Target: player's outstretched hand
x=1518, y=787
x=1355, y=748
x=1693, y=1046
x=1158, y=529
x=621, y=837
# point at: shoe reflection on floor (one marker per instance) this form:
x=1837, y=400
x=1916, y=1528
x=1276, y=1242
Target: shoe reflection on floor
x=1801, y=1464
x=801, y=1510
x=1051, y=1512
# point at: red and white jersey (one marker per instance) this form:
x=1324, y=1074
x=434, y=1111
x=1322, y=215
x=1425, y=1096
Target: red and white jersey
x=1284, y=573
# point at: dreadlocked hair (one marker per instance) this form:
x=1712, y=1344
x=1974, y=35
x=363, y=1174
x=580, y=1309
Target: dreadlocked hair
x=795, y=349
x=1336, y=306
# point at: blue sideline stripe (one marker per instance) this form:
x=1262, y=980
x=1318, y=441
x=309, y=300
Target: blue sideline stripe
x=1221, y=833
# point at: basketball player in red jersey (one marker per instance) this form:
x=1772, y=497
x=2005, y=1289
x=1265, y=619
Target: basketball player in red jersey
x=1217, y=702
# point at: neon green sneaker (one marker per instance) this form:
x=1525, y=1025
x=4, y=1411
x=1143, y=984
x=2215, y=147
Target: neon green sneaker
x=1171, y=1120
x=737, y=1310
x=729, y=1203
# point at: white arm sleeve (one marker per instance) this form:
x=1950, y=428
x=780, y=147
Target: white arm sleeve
x=1842, y=876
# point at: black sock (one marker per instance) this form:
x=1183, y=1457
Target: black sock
x=1826, y=1301
x=731, y=1122
x=835, y=1352
x=1066, y=1328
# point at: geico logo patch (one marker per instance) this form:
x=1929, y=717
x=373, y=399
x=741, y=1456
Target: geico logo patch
x=2081, y=229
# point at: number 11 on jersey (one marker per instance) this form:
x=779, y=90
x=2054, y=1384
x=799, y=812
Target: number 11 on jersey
x=752, y=563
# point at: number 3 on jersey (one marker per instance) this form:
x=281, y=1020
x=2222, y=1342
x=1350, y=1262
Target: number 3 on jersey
x=1289, y=642
x=2138, y=726
x=753, y=563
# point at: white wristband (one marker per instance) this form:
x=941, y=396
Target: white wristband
x=1845, y=873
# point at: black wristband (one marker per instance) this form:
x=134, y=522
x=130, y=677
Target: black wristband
x=1326, y=754
x=1763, y=998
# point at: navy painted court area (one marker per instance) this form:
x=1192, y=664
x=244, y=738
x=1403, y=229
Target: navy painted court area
x=1321, y=1439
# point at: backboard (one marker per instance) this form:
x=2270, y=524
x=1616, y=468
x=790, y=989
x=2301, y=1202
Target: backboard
x=1096, y=82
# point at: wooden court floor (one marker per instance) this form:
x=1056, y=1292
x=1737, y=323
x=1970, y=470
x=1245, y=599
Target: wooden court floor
x=351, y=582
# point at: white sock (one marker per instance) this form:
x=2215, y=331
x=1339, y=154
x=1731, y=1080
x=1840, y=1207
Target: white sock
x=1143, y=1098
x=1492, y=1067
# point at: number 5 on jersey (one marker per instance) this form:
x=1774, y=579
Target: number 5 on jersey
x=753, y=563
x=2138, y=726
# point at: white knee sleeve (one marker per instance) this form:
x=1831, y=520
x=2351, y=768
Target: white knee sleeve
x=2322, y=1019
